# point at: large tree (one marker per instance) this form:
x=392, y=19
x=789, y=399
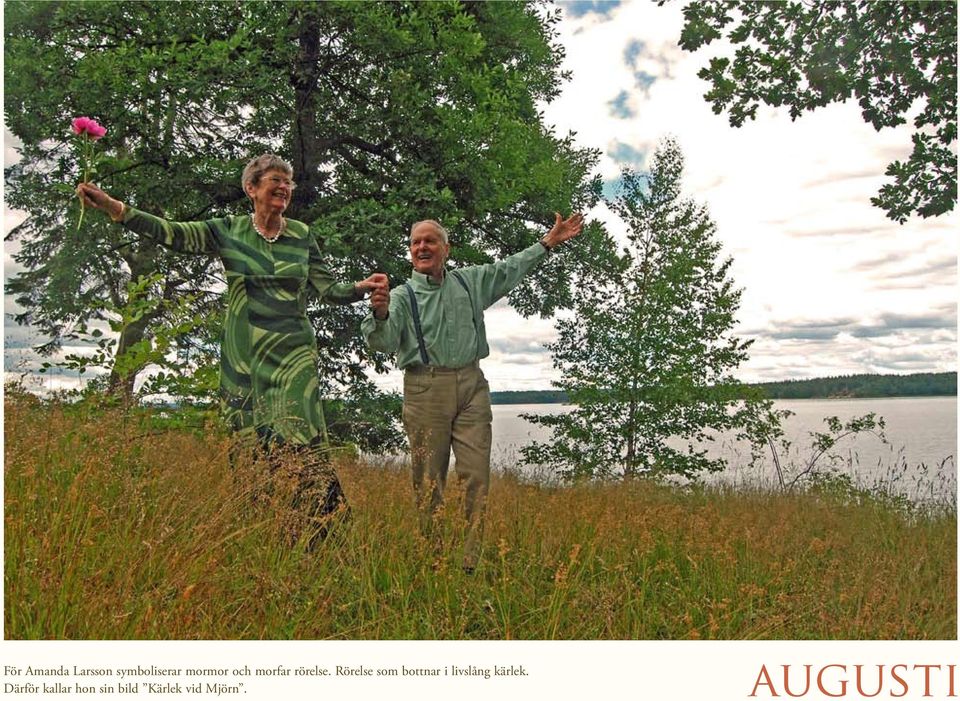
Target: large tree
x=898, y=60
x=389, y=112
x=648, y=356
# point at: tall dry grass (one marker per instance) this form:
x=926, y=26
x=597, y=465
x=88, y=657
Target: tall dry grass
x=117, y=529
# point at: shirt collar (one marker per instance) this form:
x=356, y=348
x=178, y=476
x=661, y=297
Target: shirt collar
x=424, y=282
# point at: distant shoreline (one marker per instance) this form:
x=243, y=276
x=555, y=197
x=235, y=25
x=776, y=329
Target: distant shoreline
x=938, y=384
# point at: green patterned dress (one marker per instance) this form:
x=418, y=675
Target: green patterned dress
x=268, y=353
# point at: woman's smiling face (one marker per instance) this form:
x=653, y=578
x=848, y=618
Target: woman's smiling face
x=272, y=194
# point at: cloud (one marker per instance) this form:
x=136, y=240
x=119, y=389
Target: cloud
x=919, y=350
x=910, y=284
x=933, y=268
x=833, y=231
x=900, y=271
x=523, y=359
x=620, y=107
x=807, y=334
x=886, y=324
x=944, y=318
x=515, y=347
x=880, y=359
x=626, y=155
x=896, y=272
x=581, y=8
x=815, y=324
x=878, y=263
x=834, y=178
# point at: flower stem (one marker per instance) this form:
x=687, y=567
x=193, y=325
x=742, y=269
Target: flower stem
x=86, y=175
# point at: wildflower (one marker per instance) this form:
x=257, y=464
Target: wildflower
x=84, y=126
x=87, y=130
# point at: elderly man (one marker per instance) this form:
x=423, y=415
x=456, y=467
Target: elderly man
x=434, y=324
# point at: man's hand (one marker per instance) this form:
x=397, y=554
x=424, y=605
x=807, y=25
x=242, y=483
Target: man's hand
x=378, y=285
x=563, y=230
x=380, y=302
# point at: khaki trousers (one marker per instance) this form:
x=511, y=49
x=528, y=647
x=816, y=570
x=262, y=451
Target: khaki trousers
x=442, y=409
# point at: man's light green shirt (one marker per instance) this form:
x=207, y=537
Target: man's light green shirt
x=453, y=331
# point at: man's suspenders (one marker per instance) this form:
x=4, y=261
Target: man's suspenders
x=416, y=324
x=415, y=310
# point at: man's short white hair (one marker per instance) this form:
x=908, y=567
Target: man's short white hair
x=435, y=224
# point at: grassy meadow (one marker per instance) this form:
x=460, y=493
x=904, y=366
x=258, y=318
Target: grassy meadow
x=118, y=529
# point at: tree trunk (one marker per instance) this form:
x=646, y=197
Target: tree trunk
x=304, y=79
x=122, y=385
x=629, y=468
x=142, y=262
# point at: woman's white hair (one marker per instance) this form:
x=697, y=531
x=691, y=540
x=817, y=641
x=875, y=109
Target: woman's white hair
x=256, y=167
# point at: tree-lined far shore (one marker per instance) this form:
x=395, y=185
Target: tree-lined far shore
x=923, y=384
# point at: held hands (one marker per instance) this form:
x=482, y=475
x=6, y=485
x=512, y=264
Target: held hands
x=378, y=285
x=92, y=196
x=380, y=302
x=373, y=283
x=563, y=230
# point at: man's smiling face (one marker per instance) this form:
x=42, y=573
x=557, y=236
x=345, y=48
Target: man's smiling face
x=428, y=251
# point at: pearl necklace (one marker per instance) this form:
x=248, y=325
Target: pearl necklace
x=283, y=227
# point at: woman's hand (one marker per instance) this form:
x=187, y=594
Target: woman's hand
x=378, y=285
x=377, y=281
x=93, y=196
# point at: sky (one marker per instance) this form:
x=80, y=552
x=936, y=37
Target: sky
x=830, y=285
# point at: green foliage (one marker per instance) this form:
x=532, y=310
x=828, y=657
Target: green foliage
x=390, y=112
x=648, y=355
x=176, y=375
x=891, y=57
x=822, y=444
x=839, y=487
x=350, y=420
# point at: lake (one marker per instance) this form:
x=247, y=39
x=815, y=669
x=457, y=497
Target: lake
x=919, y=458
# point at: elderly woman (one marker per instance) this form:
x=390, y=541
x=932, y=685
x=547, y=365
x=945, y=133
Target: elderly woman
x=268, y=353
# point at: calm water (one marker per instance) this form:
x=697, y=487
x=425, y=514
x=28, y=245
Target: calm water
x=919, y=457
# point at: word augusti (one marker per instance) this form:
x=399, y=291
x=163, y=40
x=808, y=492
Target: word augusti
x=856, y=681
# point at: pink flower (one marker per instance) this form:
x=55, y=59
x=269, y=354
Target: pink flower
x=87, y=130
x=90, y=127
